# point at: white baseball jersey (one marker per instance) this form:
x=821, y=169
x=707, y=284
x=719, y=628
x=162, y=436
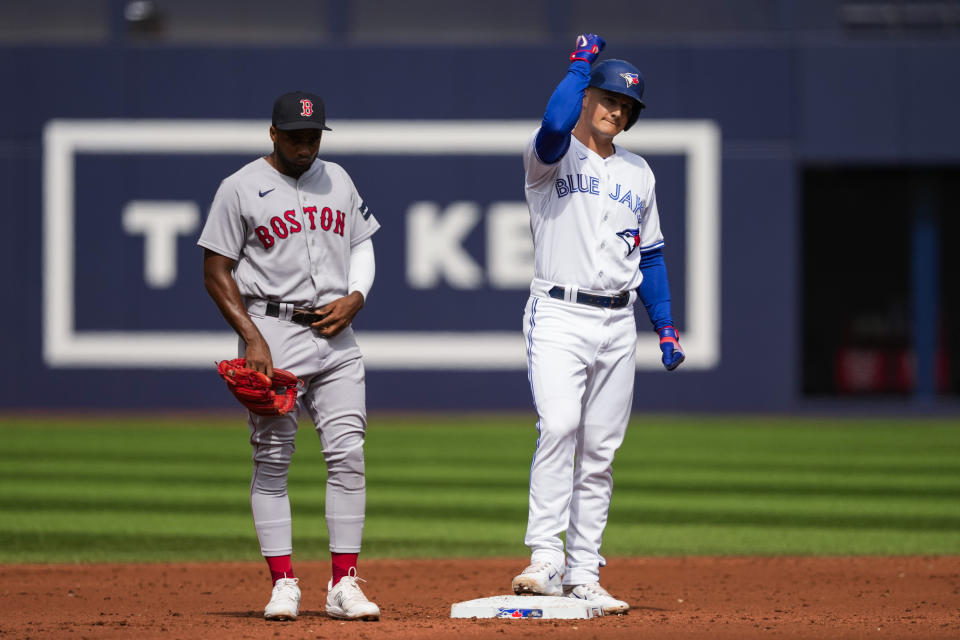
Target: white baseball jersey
x=291, y=237
x=591, y=217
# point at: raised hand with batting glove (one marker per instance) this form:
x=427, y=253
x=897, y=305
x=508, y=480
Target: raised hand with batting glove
x=589, y=46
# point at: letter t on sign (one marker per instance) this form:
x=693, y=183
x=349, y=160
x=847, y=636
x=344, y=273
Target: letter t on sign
x=160, y=222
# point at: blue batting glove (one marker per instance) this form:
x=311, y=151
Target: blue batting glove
x=670, y=346
x=588, y=48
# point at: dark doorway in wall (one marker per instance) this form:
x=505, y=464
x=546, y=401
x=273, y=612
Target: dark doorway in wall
x=880, y=281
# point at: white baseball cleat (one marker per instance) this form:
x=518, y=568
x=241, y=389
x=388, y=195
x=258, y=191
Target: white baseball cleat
x=346, y=601
x=539, y=579
x=597, y=595
x=284, y=601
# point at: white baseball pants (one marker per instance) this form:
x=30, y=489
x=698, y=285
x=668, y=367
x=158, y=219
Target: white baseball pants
x=581, y=364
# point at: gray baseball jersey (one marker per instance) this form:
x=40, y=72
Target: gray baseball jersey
x=291, y=237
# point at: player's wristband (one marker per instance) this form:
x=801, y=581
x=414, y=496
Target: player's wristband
x=669, y=334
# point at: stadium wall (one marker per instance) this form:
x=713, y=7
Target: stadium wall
x=105, y=313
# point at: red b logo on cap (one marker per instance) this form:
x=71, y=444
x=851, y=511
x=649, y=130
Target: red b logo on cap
x=306, y=108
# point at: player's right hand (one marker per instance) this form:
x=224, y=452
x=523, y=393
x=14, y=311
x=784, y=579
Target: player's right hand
x=589, y=46
x=258, y=357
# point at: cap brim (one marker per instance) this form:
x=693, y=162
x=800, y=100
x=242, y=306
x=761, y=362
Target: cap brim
x=293, y=126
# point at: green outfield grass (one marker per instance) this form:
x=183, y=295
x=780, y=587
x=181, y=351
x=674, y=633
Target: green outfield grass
x=177, y=489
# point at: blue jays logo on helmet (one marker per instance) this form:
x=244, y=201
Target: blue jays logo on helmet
x=620, y=77
x=631, y=237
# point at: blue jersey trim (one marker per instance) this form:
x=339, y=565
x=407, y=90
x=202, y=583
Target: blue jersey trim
x=533, y=394
x=654, y=289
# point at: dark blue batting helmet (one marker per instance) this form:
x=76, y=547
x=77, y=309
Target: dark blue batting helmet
x=620, y=76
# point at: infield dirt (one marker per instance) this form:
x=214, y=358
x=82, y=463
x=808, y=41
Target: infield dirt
x=671, y=598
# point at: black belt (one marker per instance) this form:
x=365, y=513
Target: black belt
x=306, y=317
x=607, y=302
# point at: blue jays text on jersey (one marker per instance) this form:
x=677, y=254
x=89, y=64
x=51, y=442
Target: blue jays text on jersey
x=591, y=185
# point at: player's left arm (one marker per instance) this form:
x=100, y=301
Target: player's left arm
x=654, y=292
x=654, y=289
x=339, y=313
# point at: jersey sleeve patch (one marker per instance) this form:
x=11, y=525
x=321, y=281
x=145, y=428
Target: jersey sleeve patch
x=364, y=211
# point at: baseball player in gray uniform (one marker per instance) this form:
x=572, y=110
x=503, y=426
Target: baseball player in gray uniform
x=597, y=249
x=288, y=259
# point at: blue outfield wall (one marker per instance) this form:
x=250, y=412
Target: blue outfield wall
x=450, y=254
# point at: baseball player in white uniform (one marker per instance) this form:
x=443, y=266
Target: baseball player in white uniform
x=288, y=259
x=597, y=249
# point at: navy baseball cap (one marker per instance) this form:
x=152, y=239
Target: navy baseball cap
x=299, y=110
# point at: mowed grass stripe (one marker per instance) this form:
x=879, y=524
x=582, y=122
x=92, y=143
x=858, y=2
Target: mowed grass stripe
x=658, y=539
x=677, y=481
x=40, y=481
x=637, y=540
x=225, y=495
x=75, y=548
x=906, y=517
x=459, y=488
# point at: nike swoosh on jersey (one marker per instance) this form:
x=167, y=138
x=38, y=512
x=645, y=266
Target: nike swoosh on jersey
x=581, y=156
x=263, y=193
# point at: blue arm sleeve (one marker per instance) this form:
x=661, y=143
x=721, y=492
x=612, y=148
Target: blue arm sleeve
x=654, y=290
x=563, y=111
